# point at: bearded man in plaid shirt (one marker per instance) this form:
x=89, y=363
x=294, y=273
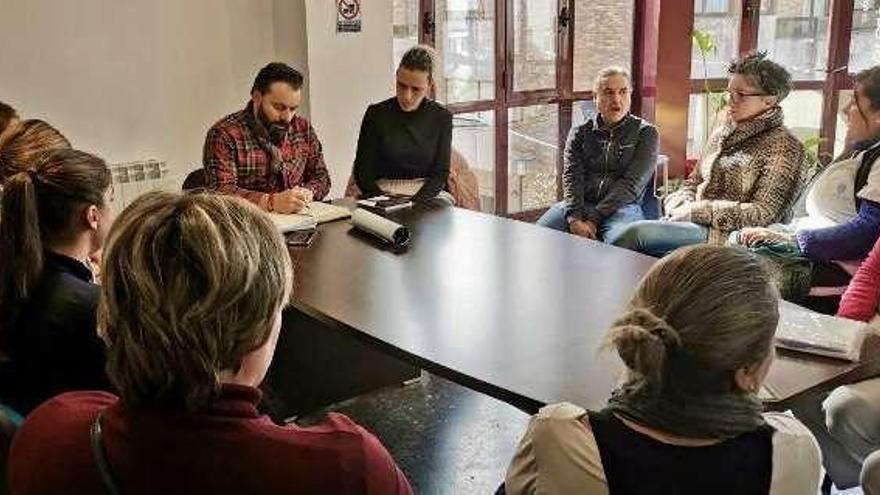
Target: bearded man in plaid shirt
x=266, y=153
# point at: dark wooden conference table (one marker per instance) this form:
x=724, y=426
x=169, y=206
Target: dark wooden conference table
x=503, y=307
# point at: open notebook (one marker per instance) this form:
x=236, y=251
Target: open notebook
x=803, y=330
x=316, y=212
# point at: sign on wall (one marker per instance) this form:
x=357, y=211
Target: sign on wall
x=348, y=16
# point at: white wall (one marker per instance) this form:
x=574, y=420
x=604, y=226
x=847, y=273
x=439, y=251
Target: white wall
x=133, y=79
x=347, y=72
x=291, y=41
x=138, y=79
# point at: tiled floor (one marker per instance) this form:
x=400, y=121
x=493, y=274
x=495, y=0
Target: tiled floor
x=446, y=438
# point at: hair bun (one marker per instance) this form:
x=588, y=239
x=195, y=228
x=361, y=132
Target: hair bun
x=646, y=319
x=644, y=340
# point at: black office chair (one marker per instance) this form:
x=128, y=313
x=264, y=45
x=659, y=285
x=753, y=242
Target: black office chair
x=197, y=179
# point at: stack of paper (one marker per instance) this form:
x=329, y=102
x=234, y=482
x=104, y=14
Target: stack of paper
x=315, y=213
x=803, y=330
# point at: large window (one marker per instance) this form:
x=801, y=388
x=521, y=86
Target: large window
x=516, y=73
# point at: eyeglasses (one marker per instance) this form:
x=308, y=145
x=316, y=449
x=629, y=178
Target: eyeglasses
x=737, y=95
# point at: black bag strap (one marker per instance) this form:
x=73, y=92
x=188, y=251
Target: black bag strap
x=100, y=456
x=864, y=171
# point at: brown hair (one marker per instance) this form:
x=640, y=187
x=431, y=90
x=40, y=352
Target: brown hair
x=869, y=80
x=419, y=58
x=190, y=285
x=24, y=144
x=767, y=75
x=40, y=207
x=7, y=115
x=697, y=316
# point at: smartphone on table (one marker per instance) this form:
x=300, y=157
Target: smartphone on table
x=300, y=238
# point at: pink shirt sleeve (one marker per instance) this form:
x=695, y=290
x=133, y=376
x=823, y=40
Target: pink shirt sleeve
x=860, y=300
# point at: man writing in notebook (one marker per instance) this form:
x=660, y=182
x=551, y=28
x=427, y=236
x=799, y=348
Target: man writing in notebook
x=266, y=153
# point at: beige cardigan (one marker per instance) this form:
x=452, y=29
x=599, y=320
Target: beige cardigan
x=559, y=455
x=748, y=176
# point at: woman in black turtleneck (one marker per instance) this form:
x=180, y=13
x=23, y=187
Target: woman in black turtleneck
x=408, y=136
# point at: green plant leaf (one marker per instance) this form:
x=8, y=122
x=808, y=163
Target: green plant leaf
x=705, y=42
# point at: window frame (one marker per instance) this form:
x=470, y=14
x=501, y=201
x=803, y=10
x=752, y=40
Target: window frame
x=506, y=98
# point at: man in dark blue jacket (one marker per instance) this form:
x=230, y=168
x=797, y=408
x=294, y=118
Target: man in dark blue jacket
x=609, y=161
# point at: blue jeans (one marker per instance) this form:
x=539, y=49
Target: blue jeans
x=610, y=229
x=659, y=237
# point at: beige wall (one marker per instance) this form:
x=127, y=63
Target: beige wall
x=291, y=40
x=141, y=79
x=135, y=79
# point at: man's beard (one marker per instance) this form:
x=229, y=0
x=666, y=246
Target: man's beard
x=275, y=129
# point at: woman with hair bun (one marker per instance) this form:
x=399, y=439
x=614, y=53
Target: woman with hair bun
x=697, y=341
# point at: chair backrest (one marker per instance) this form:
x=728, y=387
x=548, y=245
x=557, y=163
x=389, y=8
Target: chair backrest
x=650, y=200
x=196, y=179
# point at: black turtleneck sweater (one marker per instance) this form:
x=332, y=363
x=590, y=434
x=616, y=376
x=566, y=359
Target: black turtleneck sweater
x=51, y=339
x=394, y=144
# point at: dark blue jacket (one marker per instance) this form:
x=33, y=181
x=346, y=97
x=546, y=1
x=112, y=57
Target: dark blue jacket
x=606, y=169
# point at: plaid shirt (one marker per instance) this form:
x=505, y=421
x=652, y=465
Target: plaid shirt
x=236, y=163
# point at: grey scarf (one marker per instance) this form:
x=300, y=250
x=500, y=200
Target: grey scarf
x=720, y=415
x=267, y=138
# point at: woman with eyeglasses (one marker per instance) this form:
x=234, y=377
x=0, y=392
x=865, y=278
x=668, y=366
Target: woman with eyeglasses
x=747, y=176
x=842, y=203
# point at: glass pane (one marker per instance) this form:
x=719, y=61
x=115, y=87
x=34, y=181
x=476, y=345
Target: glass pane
x=582, y=111
x=603, y=37
x=473, y=137
x=533, y=145
x=720, y=19
x=795, y=34
x=534, y=44
x=864, y=46
x=697, y=126
x=803, y=113
x=843, y=99
x=405, y=27
x=466, y=46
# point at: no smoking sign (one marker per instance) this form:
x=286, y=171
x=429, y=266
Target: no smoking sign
x=348, y=16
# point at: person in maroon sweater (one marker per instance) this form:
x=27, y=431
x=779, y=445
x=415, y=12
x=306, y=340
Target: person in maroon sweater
x=192, y=295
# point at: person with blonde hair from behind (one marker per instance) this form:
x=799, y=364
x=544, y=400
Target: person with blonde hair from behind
x=193, y=291
x=697, y=341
